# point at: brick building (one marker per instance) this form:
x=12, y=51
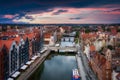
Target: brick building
x=101, y=66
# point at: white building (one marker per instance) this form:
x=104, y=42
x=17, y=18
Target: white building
x=67, y=42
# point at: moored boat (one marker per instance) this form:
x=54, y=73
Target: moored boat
x=75, y=74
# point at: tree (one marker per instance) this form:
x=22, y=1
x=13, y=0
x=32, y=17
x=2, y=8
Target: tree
x=110, y=47
x=87, y=30
x=77, y=34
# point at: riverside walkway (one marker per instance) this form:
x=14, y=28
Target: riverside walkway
x=81, y=68
x=83, y=65
x=28, y=72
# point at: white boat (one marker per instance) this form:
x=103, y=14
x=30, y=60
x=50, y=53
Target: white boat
x=75, y=75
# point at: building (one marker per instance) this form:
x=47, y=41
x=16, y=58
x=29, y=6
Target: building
x=4, y=62
x=13, y=56
x=50, y=38
x=113, y=30
x=108, y=55
x=31, y=38
x=37, y=43
x=68, y=40
x=101, y=66
x=17, y=48
x=116, y=59
x=66, y=29
x=1, y=62
x=26, y=50
x=117, y=41
x=23, y=56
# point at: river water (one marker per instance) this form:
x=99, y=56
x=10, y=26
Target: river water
x=55, y=67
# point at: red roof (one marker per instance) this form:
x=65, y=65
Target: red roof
x=88, y=35
x=36, y=30
x=17, y=39
x=24, y=37
x=47, y=35
x=9, y=33
x=92, y=48
x=67, y=27
x=7, y=43
x=30, y=36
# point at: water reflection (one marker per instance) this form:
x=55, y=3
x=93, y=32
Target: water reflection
x=56, y=67
x=38, y=72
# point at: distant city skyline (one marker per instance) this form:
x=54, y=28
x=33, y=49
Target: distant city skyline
x=58, y=12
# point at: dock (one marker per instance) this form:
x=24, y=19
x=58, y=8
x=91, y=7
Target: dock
x=33, y=67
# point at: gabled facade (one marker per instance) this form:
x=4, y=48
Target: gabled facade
x=20, y=46
x=38, y=40
x=17, y=49
x=4, y=61
x=31, y=40
x=1, y=63
x=41, y=38
x=26, y=51
x=13, y=58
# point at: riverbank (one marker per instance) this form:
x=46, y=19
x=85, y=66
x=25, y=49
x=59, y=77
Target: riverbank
x=80, y=68
x=33, y=67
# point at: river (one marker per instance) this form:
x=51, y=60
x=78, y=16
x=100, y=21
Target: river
x=55, y=67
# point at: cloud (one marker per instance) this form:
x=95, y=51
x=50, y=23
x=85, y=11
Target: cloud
x=113, y=11
x=76, y=18
x=29, y=17
x=72, y=15
x=9, y=16
x=59, y=12
x=116, y=10
x=30, y=6
x=45, y=10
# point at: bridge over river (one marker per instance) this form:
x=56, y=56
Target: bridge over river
x=63, y=49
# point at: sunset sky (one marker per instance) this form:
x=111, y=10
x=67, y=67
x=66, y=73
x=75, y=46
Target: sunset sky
x=60, y=11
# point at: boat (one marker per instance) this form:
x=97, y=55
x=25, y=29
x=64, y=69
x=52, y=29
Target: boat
x=75, y=75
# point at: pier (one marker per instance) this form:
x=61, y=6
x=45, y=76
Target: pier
x=27, y=73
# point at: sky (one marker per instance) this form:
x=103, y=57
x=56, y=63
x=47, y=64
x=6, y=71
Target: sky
x=60, y=11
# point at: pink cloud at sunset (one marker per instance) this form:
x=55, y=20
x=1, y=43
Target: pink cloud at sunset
x=60, y=11
x=9, y=16
x=73, y=15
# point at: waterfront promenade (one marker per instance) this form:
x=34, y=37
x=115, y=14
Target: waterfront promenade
x=81, y=68
x=29, y=71
x=83, y=65
x=90, y=75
